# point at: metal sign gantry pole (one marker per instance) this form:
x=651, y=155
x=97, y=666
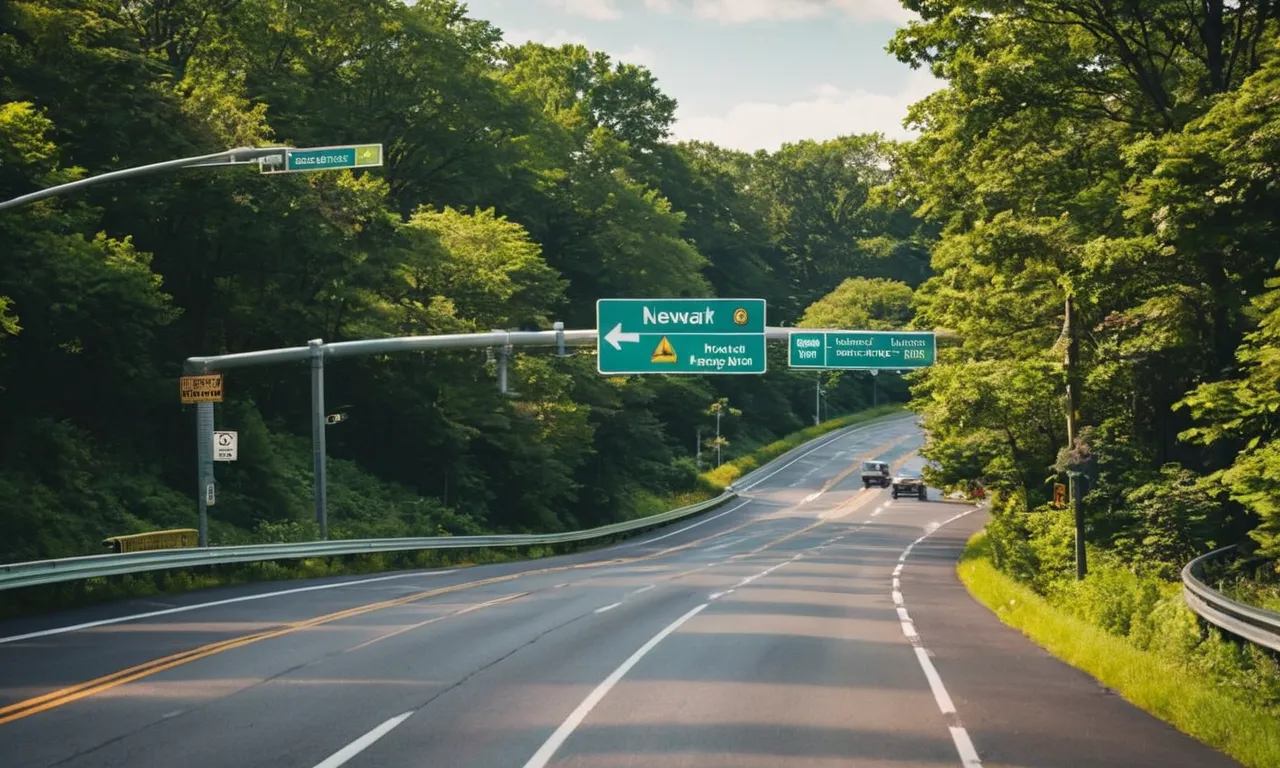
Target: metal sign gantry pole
x=315, y=354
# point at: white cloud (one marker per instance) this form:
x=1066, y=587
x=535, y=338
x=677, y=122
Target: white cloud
x=554, y=39
x=830, y=113
x=637, y=54
x=743, y=11
x=601, y=10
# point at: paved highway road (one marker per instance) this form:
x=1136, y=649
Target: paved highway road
x=793, y=627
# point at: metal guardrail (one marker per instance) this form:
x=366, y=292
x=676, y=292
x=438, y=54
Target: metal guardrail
x=1253, y=624
x=38, y=572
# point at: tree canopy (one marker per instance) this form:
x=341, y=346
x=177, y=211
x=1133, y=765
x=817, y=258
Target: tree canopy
x=1123, y=156
x=521, y=183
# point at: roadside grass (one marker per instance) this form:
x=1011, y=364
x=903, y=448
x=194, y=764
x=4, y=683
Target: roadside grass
x=54, y=597
x=1176, y=693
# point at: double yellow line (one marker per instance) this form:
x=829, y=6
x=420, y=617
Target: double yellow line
x=79, y=691
x=74, y=693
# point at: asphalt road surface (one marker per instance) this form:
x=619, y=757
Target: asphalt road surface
x=778, y=630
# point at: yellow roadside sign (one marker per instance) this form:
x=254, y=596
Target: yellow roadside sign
x=201, y=389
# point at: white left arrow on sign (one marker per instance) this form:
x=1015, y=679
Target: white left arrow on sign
x=616, y=337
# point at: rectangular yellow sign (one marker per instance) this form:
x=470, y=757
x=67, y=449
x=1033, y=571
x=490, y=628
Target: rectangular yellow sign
x=201, y=389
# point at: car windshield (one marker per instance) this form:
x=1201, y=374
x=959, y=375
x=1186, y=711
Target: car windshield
x=873, y=465
x=909, y=475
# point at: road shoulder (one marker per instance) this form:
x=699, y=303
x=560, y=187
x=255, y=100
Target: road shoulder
x=1021, y=705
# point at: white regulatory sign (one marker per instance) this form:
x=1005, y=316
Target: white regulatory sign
x=225, y=446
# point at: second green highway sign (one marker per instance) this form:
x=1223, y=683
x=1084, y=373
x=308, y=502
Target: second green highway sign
x=862, y=350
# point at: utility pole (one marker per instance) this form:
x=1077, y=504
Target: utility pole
x=1073, y=395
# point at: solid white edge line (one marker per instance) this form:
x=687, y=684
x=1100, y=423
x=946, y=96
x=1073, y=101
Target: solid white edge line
x=214, y=604
x=361, y=744
x=575, y=718
x=841, y=434
x=969, y=757
x=299, y=590
x=734, y=508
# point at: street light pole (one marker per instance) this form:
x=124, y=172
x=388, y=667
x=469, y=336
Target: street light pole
x=318, y=452
x=238, y=156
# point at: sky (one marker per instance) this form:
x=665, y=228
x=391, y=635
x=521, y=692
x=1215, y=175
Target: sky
x=747, y=74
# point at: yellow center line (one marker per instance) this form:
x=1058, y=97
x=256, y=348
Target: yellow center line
x=79, y=691
x=421, y=624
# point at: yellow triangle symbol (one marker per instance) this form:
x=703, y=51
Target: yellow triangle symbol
x=664, y=353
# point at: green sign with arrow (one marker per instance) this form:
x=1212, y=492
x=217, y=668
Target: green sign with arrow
x=692, y=336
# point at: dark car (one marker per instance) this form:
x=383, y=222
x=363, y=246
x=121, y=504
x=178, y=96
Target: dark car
x=910, y=484
x=875, y=473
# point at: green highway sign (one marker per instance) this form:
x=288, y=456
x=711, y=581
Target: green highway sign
x=862, y=350
x=695, y=336
x=324, y=158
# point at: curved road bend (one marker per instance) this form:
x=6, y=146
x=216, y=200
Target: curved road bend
x=764, y=633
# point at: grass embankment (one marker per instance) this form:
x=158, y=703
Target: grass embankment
x=89, y=591
x=731, y=470
x=1166, y=680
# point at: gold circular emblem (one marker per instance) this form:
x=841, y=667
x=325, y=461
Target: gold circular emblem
x=740, y=316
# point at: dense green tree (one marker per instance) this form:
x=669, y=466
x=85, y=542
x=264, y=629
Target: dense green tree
x=1114, y=155
x=520, y=184
x=868, y=303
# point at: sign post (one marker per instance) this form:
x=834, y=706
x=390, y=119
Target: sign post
x=689, y=336
x=203, y=390
x=862, y=350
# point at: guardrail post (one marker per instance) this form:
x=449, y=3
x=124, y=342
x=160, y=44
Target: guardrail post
x=205, y=491
x=319, y=479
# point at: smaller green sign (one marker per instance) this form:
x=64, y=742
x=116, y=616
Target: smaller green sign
x=327, y=158
x=862, y=350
